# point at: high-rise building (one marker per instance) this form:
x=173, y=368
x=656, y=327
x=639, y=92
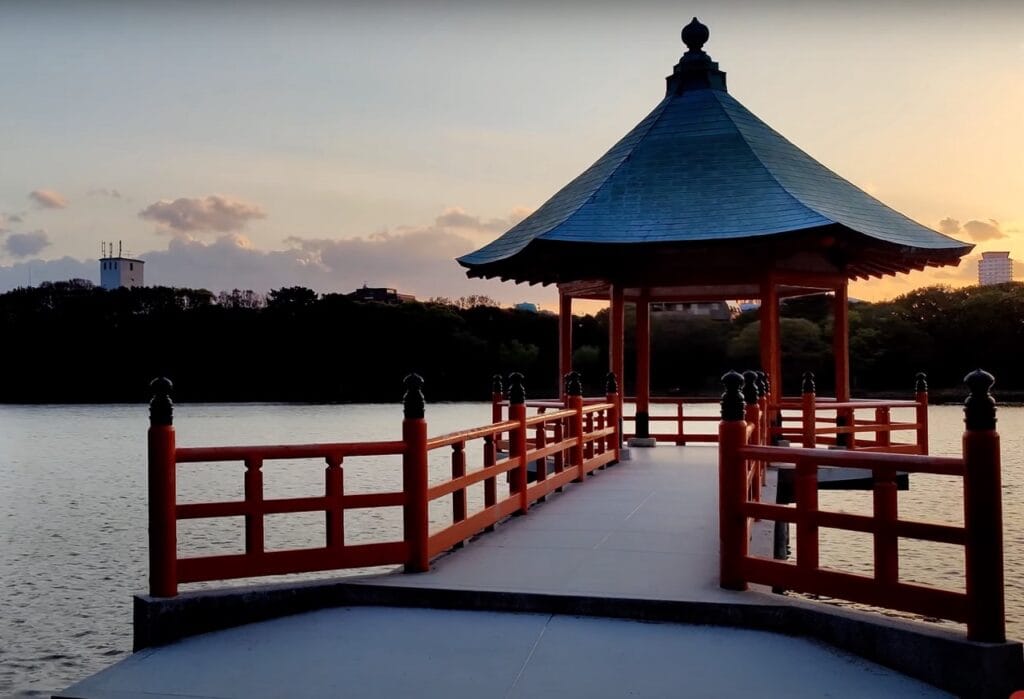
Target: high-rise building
x=995, y=268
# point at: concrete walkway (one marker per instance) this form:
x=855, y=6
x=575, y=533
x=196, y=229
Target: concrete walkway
x=646, y=529
x=382, y=652
x=644, y=532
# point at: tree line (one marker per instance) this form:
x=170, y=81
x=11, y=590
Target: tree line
x=72, y=342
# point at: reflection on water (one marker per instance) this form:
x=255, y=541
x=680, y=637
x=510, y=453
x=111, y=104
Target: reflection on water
x=73, y=518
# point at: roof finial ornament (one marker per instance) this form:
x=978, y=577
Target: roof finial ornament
x=695, y=35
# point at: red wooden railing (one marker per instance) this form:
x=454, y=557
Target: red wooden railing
x=577, y=439
x=980, y=606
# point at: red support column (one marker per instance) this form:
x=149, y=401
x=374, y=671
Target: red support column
x=163, y=534
x=983, y=514
x=643, y=367
x=841, y=342
x=616, y=331
x=732, y=486
x=414, y=478
x=564, y=337
x=771, y=359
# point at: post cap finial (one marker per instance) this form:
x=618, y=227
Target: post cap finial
x=920, y=382
x=413, y=403
x=808, y=383
x=573, y=385
x=732, y=398
x=496, y=386
x=516, y=388
x=161, y=407
x=611, y=385
x=750, y=387
x=762, y=382
x=980, y=406
x=695, y=35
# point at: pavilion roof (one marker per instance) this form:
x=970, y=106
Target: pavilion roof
x=702, y=174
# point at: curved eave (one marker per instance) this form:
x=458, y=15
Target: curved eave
x=830, y=250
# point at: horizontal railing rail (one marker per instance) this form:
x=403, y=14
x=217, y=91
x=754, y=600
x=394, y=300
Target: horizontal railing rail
x=980, y=605
x=575, y=438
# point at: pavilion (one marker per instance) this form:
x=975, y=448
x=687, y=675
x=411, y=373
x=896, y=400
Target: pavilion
x=703, y=201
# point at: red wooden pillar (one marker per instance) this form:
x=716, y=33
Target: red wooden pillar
x=414, y=478
x=841, y=343
x=163, y=534
x=732, y=486
x=983, y=514
x=616, y=331
x=771, y=357
x=643, y=367
x=564, y=337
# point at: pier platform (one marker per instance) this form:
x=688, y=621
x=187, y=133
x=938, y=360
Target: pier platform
x=610, y=589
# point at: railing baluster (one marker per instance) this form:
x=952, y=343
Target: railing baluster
x=883, y=436
x=886, y=543
x=807, y=510
x=334, y=489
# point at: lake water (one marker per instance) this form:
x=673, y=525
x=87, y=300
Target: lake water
x=73, y=514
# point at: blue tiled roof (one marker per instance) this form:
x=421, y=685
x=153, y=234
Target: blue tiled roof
x=701, y=167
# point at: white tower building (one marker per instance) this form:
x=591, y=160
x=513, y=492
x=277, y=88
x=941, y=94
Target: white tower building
x=119, y=271
x=995, y=268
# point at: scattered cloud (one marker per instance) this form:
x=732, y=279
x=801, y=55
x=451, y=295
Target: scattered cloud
x=214, y=213
x=416, y=260
x=104, y=192
x=978, y=231
x=48, y=199
x=456, y=217
x=25, y=244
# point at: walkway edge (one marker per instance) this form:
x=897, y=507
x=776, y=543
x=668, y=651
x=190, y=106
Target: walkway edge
x=944, y=660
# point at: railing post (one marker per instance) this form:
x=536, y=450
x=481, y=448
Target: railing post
x=921, y=418
x=883, y=418
x=334, y=488
x=517, y=446
x=574, y=401
x=163, y=535
x=810, y=418
x=752, y=416
x=763, y=403
x=732, y=485
x=414, y=477
x=611, y=387
x=497, y=394
x=458, y=471
x=983, y=513
x=254, y=501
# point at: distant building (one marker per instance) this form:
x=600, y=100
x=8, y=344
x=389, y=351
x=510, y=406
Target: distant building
x=715, y=310
x=380, y=295
x=995, y=268
x=527, y=306
x=119, y=271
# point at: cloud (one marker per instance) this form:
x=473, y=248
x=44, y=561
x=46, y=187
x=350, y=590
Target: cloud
x=984, y=230
x=48, y=199
x=416, y=260
x=104, y=192
x=976, y=230
x=456, y=217
x=211, y=213
x=26, y=244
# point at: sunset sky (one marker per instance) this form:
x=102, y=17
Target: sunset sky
x=259, y=145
